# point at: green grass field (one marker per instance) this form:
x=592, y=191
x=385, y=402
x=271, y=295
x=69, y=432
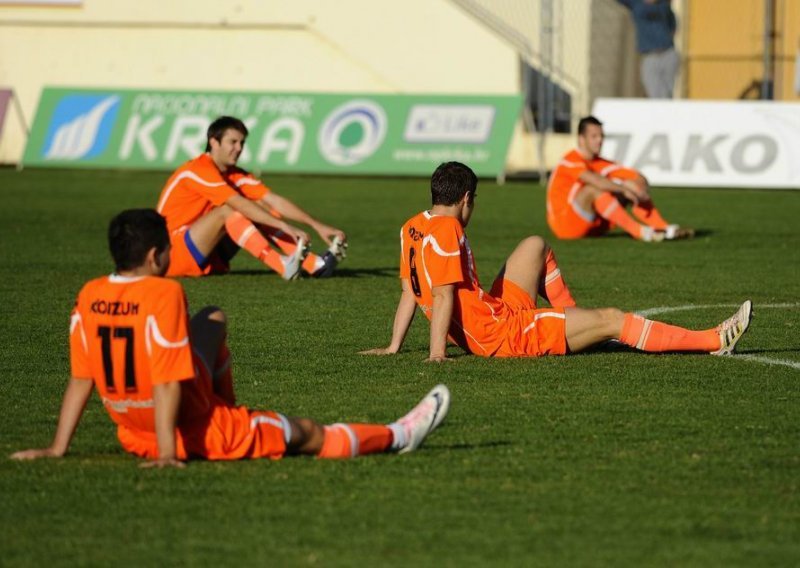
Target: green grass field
x=596, y=459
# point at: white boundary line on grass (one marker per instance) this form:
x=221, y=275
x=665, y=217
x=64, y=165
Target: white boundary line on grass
x=757, y=358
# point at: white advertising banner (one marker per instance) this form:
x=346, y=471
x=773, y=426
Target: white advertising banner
x=705, y=143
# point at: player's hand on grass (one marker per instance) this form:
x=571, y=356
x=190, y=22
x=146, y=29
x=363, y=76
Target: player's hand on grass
x=161, y=463
x=438, y=359
x=35, y=454
x=379, y=351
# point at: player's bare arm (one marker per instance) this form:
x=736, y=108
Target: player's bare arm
x=257, y=214
x=406, y=308
x=605, y=184
x=292, y=211
x=166, y=400
x=443, y=299
x=75, y=398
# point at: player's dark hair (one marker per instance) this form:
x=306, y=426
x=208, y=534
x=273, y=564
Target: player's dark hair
x=217, y=129
x=586, y=121
x=133, y=233
x=450, y=182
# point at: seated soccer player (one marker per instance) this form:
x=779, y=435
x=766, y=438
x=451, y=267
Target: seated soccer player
x=213, y=208
x=166, y=382
x=438, y=274
x=587, y=195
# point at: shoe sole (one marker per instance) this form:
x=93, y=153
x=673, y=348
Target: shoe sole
x=748, y=308
x=442, y=395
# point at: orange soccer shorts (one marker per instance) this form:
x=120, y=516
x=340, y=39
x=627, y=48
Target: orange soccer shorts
x=569, y=223
x=186, y=260
x=223, y=433
x=227, y=433
x=531, y=332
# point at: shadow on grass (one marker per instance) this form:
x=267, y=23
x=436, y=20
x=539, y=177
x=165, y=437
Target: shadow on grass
x=383, y=272
x=774, y=350
x=462, y=446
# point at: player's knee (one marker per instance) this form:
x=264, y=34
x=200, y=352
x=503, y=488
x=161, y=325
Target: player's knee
x=213, y=313
x=307, y=435
x=612, y=317
x=536, y=245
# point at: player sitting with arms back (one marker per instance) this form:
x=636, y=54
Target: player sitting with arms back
x=438, y=273
x=213, y=207
x=166, y=382
x=587, y=195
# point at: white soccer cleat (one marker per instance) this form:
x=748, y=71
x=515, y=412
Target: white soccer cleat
x=650, y=235
x=293, y=263
x=338, y=248
x=676, y=232
x=425, y=417
x=733, y=328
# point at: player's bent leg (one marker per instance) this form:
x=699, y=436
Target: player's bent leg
x=209, y=229
x=608, y=206
x=533, y=267
x=209, y=330
x=525, y=265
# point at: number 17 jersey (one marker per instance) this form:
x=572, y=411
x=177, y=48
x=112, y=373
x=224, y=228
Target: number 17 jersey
x=128, y=334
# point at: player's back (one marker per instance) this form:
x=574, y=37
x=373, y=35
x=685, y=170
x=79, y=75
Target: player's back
x=129, y=333
x=436, y=252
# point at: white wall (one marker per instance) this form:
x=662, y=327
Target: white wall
x=414, y=46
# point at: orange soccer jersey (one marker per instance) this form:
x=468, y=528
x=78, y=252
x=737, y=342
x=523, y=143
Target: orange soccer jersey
x=564, y=216
x=129, y=334
x=435, y=252
x=192, y=191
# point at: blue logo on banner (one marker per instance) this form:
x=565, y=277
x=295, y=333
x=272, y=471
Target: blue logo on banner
x=80, y=127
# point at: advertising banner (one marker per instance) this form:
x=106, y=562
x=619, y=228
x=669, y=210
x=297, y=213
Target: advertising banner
x=289, y=132
x=753, y=144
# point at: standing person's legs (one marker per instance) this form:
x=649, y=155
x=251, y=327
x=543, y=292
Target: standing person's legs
x=658, y=73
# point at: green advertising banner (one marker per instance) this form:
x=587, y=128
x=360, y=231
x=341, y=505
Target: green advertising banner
x=289, y=132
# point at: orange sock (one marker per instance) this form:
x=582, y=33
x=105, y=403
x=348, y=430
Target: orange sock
x=609, y=208
x=656, y=337
x=288, y=245
x=223, y=377
x=351, y=440
x=649, y=215
x=246, y=235
x=555, y=289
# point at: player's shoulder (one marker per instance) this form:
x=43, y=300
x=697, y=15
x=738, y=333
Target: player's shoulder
x=162, y=287
x=444, y=223
x=201, y=168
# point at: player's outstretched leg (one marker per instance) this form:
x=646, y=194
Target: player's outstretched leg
x=339, y=441
x=586, y=328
